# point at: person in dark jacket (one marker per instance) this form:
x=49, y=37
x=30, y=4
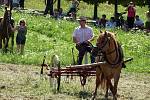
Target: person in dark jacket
x=21, y=3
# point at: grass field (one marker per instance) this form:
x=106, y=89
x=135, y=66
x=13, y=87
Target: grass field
x=19, y=74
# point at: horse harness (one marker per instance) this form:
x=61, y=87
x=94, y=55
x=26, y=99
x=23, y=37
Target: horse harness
x=103, y=55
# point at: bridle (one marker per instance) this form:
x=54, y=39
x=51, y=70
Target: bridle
x=101, y=46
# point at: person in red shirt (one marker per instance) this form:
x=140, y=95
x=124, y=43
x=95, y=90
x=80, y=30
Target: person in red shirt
x=131, y=15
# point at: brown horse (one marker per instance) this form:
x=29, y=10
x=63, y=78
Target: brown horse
x=5, y=29
x=108, y=46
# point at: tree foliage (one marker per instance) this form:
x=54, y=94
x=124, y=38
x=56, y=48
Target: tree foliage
x=120, y=2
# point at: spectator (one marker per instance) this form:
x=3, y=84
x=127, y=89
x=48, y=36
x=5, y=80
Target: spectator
x=147, y=23
x=49, y=7
x=131, y=14
x=125, y=26
x=21, y=36
x=119, y=19
x=56, y=14
x=82, y=36
x=15, y=3
x=122, y=21
x=97, y=22
x=6, y=2
x=21, y=3
x=138, y=23
x=111, y=23
x=103, y=21
x=60, y=13
x=73, y=8
x=1, y=2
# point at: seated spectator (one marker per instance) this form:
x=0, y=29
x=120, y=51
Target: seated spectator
x=15, y=3
x=103, y=21
x=125, y=26
x=1, y=2
x=21, y=3
x=56, y=14
x=60, y=13
x=147, y=23
x=138, y=23
x=119, y=19
x=147, y=26
x=6, y=3
x=97, y=22
x=111, y=23
x=122, y=21
x=73, y=8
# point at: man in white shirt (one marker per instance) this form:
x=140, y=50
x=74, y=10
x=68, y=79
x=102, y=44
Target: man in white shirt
x=82, y=36
x=138, y=22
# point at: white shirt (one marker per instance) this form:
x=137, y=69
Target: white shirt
x=83, y=34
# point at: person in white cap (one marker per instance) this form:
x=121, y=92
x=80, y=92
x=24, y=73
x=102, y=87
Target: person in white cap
x=131, y=14
x=82, y=36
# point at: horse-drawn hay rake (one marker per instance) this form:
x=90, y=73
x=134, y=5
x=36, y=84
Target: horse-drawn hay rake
x=56, y=72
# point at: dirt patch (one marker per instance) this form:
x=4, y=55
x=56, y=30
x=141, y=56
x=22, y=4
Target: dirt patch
x=23, y=82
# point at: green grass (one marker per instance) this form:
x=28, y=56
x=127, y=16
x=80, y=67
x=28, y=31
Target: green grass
x=47, y=36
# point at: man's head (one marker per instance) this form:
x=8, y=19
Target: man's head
x=82, y=21
x=103, y=16
x=137, y=17
x=131, y=3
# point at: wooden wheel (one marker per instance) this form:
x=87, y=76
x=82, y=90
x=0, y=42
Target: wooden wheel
x=56, y=77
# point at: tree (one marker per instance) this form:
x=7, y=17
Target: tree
x=58, y=4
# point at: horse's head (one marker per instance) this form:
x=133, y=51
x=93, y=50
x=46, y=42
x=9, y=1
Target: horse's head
x=7, y=14
x=105, y=43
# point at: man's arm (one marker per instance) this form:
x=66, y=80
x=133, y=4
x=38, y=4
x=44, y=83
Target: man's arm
x=75, y=40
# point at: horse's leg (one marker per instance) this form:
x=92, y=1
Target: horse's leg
x=107, y=87
x=98, y=77
x=111, y=87
x=116, y=80
x=6, y=44
x=12, y=41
